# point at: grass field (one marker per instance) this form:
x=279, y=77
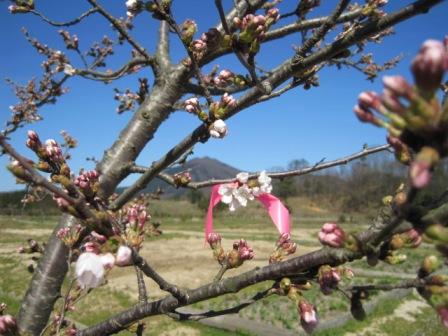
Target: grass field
x=180, y=256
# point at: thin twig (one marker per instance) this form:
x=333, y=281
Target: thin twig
x=91, y=74
x=414, y=283
x=320, y=33
x=278, y=175
x=143, y=265
x=142, y=292
x=63, y=24
x=245, y=62
x=120, y=29
x=212, y=313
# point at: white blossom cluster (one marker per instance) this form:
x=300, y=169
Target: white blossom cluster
x=237, y=194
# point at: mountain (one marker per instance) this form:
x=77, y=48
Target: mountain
x=200, y=169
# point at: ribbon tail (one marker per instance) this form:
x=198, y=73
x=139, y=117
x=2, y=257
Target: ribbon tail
x=278, y=212
x=215, y=198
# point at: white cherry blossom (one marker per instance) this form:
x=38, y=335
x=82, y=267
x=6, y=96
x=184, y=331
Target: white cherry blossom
x=90, y=268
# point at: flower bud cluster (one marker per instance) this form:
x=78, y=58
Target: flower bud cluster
x=209, y=40
x=135, y=217
x=182, y=178
x=240, y=253
x=237, y=194
x=219, y=109
x=234, y=258
x=332, y=235
x=198, y=47
x=192, y=105
x=329, y=277
x=283, y=247
x=127, y=100
x=224, y=78
x=413, y=115
x=253, y=28
x=70, y=235
x=87, y=182
x=71, y=41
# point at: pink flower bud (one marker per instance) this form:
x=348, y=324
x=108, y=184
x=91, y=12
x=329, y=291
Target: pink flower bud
x=142, y=217
x=132, y=215
x=124, y=256
x=412, y=237
x=245, y=252
x=429, y=65
x=365, y=115
x=443, y=314
x=92, y=247
x=308, y=316
x=228, y=100
x=332, y=235
x=7, y=324
x=420, y=174
x=398, y=86
x=61, y=202
x=53, y=150
x=98, y=237
x=328, y=279
x=214, y=239
x=369, y=99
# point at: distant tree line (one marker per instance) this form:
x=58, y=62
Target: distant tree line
x=358, y=186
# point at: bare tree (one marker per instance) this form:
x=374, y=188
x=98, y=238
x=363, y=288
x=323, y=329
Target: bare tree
x=93, y=213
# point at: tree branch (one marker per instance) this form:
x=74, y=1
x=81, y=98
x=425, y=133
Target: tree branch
x=324, y=256
x=63, y=24
x=108, y=76
x=212, y=313
x=280, y=175
x=283, y=72
x=320, y=33
x=143, y=265
x=120, y=29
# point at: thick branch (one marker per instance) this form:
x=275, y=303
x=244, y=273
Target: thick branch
x=324, y=256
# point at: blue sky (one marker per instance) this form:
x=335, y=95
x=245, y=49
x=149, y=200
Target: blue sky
x=313, y=124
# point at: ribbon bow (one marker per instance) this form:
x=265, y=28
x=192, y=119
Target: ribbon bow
x=278, y=212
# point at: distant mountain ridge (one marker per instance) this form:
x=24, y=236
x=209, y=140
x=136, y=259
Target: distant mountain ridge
x=201, y=169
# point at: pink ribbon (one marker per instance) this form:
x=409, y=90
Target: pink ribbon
x=278, y=212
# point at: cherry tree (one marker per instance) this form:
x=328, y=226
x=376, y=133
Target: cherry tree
x=100, y=230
